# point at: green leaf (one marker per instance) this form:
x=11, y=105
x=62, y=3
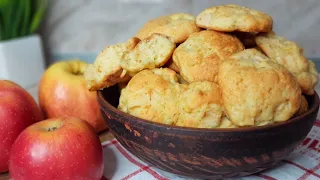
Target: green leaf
x=1, y=31
x=17, y=18
x=7, y=14
x=20, y=17
x=4, y=3
x=40, y=12
x=1, y=26
x=26, y=20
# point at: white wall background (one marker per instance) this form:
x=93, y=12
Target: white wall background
x=89, y=25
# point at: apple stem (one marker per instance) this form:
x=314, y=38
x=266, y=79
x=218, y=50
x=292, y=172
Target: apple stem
x=52, y=128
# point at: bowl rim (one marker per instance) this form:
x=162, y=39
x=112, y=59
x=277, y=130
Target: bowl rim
x=104, y=104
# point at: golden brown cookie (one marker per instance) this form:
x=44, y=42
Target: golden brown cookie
x=288, y=54
x=309, y=79
x=228, y=18
x=178, y=26
x=106, y=70
x=256, y=90
x=150, y=53
x=198, y=58
x=167, y=74
x=156, y=95
x=303, y=106
x=200, y=105
x=152, y=95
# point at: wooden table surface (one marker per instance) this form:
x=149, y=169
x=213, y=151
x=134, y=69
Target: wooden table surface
x=104, y=136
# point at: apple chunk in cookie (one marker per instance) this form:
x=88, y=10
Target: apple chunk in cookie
x=150, y=53
x=288, y=54
x=256, y=90
x=106, y=70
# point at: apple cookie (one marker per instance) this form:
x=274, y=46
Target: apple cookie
x=288, y=54
x=177, y=26
x=198, y=58
x=200, y=105
x=228, y=18
x=256, y=90
x=150, y=53
x=106, y=70
x=156, y=95
x=226, y=123
x=303, y=106
x=152, y=95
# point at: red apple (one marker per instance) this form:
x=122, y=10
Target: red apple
x=57, y=148
x=63, y=92
x=18, y=110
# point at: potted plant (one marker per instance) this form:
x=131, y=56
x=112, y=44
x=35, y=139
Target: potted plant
x=21, y=51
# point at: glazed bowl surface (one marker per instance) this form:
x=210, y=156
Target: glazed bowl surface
x=206, y=153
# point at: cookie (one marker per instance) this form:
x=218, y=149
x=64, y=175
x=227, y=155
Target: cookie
x=167, y=74
x=288, y=54
x=106, y=70
x=177, y=26
x=150, y=53
x=303, y=106
x=308, y=79
x=228, y=18
x=256, y=90
x=200, y=105
x=226, y=123
x=198, y=58
x=156, y=95
x=152, y=95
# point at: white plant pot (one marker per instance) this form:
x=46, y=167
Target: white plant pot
x=22, y=60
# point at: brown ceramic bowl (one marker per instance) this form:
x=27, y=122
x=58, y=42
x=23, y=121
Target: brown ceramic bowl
x=206, y=153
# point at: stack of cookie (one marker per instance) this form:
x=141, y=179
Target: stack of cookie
x=224, y=68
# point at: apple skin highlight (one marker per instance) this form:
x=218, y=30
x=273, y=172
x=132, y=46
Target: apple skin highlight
x=57, y=148
x=18, y=110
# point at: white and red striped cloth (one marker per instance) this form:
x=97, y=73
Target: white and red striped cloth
x=303, y=164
